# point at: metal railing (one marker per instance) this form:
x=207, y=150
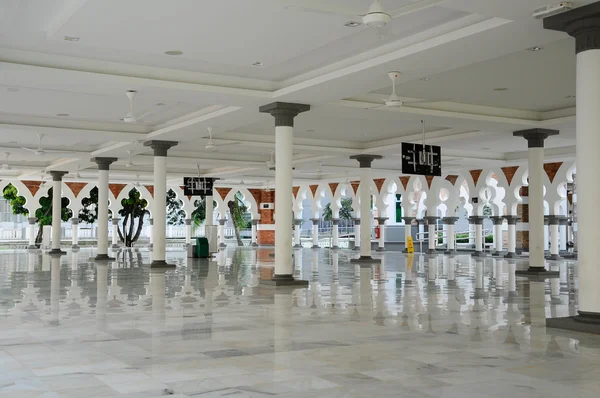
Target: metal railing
x=443, y=233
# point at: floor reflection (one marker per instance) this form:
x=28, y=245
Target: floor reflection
x=432, y=325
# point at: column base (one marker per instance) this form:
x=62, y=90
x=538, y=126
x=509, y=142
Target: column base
x=586, y=322
x=365, y=260
x=102, y=257
x=115, y=247
x=297, y=247
x=537, y=272
x=55, y=252
x=356, y=248
x=75, y=247
x=222, y=245
x=511, y=255
x=32, y=247
x=432, y=251
x=315, y=247
x=150, y=246
x=479, y=254
x=450, y=252
x=162, y=264
x=499, y=254
x=254, y=244
x=283, y=281
x=335, y=248
x=405, y=251
x=512, y=297
x=554, y=257
x=451, y=282
x=380, y=249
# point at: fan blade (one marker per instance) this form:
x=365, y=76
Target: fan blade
x=376, y=106
x=414, y=7
x=436, y=101
x=384, y=32
x=30, y=150
x=316, y=6
x=228, y=143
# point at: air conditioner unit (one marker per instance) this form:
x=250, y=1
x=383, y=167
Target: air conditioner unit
x=547, y=11
x=267, y=206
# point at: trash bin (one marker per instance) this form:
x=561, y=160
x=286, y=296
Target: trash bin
x=202, y=248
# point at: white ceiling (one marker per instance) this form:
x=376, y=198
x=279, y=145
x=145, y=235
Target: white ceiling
x=465, y=48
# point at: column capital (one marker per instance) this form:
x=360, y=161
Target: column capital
x=284, y=112
x=498, y=220
x=477, y=220
x=546, y=220
x=104, y=163
x=582, y=23
x=381, y=220
x=32, y=220
x=315, y=221
x=408, y=220
x=512, y=220
x=160, y=147
x=450, y=220
x=188, y=221
x=75, y=221
x=535, y=137
x=57, y=175
x=115, y=221
x=431, y=219
x=151, y=221
x=335, y=221
x=222, y=221
x=563, y=220
x=365, y=160
x=256, y=221
x=553, y=220
x=357, y=221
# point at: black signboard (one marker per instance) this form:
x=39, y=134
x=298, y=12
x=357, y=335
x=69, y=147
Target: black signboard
x=197, y=186
x=425, y=161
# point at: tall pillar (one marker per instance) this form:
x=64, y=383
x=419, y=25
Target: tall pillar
x=407, y=231
x=151, y=227
x=554, y=222
x=546, y=234
x=498, y=221
x=356, y=234
x=365, y=162
x=335, y=233
x=315, y=232
x=103, y=167
x=56, y=210
x=31, y=230
x=451, y=238
x=512, y=237
x=431, y=234
x=297, y=232
x=381, y=241
x=188, y=232
x=159, y=212
x=115, y=233
x=478, y=222
x=254, y=226
x=75, y=233
x=284, y=114
x=564, y=237
x=222, y=222
x=535, y=142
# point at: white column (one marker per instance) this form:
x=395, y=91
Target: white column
x=498, y=220
x=297, y=231
x=535, y=139
x=150, y=228
x=366, y=180
x=381, y=224
x=357, y=234
x=254, y=233
x=284, y=114
x=335, y=233
x=222, y=222
x=554, y=236
x=450, y=238
x=103, y=166
x=31, y=230
x=75, y=233
x=159, y=212
x=546, y=235
x=512, y=237
x=56, y=210
x=478, y=222
x=563, y=234
x=315, y=233
x=188, y=232
x=431, y=234
x=115, y=232
x=407, y=231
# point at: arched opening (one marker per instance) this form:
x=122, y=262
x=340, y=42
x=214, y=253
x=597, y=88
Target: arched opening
x=44, y=213
x=133, y=210
x=12, y=213
x=240, y=217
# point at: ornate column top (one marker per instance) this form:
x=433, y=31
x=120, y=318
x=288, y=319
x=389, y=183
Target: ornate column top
x=449, y=220
x=357, y=221
x=188, y=221
x=222, y=221
x=160, y=147
x=552, y=220
x=315, y=221
x=104, y=163
x=335, y=221
x=75, y=221
x=512, y=220
x=115, y=221
x=477, y=220
x=582, y=23
x=255, y=221
x=382, y=220
x=563, y=220
x=365, y=160
x=57, y=175
x=546, y=220
x=535, y=137
x=408, y=219
x=498, y=220
x=32, y=220
x=284, y=112
x=431, y=219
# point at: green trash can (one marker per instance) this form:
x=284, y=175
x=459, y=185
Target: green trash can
x=202, y=248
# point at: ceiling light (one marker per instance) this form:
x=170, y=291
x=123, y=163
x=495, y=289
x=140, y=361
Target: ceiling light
x=425, y=79
x=161, y=104
x=258, y=63
x=501, y=89
x=352, y=24
x=71, y=38
x=62, y=114
x=570, y=97
x=12, y=89
x=173, y=52
x=535, y=48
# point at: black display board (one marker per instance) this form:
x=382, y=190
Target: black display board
x=422, y=160
x=198, y=186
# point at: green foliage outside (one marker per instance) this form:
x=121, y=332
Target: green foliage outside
x=133, y=209
x=238, y=210
x=175, y=214
x=44, y=213
x=17, y=202
x=89, y=213
x=345, y=210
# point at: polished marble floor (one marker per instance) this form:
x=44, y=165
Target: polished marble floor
x=411, y=327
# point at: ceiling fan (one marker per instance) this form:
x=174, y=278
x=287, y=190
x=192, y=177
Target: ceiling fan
x=40, y=151
x=394, y=101
x=319, y=171
x=129, y=161
x=137, y=181
x=375, y=17
x=5, y=165
x=130, y=116
x=211, y=146
x=271, y=161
